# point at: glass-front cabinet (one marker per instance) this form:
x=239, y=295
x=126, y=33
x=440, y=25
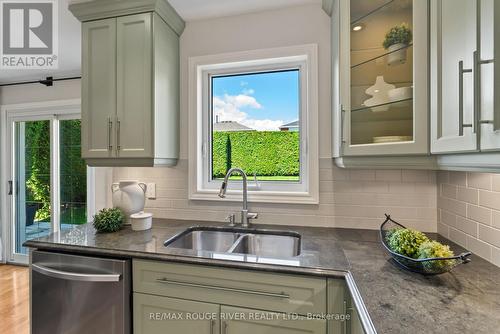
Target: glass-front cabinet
x=383, y=77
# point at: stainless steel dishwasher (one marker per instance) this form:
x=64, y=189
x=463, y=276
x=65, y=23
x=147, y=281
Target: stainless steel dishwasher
x=73, y=294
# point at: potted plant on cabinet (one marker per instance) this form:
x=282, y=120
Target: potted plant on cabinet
x=396, y=42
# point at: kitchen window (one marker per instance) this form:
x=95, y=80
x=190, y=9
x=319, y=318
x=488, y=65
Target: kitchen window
x=257, y=111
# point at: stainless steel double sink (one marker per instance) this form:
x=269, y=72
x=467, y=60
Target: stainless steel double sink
x=259, y=242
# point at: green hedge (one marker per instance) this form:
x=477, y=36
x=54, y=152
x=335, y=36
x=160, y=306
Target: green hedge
x=266, y=153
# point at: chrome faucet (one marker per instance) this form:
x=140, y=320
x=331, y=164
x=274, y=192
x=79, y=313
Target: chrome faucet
x=245, y=215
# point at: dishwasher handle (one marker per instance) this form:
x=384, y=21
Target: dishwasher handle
x=75, y=276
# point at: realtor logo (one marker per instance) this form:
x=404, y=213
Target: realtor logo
x=28, y=34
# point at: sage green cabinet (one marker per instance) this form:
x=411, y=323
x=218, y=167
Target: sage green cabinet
x=98, y=88
x=236, y=320
x=162, y=315
x=340, y=303
x=130, y=82
x=134, y=57
x=245, y=301
x=252, y=289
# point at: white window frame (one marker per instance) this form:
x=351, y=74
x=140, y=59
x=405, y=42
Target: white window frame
x=53, y=111
x=201, y=69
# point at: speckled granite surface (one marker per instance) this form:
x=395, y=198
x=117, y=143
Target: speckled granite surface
x=464, y=301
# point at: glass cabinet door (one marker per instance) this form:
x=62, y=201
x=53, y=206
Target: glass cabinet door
x=385, y=86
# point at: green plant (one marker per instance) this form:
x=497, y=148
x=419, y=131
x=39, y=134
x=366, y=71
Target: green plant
x=265, y=153
x=228, y=154
x=37, y=153
x=398, y=34
x=108, y=220
x=407, y=241
x=433, y=249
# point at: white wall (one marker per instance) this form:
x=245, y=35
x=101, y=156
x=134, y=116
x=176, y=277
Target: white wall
x=348, y=198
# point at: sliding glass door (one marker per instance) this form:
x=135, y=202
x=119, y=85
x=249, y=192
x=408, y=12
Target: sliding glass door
x=47, y=177
x=30, y=185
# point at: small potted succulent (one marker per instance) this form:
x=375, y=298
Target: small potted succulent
x=108, y=220
x=396, y=42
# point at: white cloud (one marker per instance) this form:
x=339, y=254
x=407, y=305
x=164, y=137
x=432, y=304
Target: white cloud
x=248, y=91
x=228, y=108
x=263, y=124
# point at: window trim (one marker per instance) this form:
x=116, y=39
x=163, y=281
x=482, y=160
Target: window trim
x=201, y=69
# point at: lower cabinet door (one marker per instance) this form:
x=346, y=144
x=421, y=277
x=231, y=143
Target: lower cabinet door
x=162, y=315
x=235, y=320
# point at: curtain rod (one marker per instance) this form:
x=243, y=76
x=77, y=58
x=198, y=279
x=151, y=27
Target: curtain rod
x=48, y=81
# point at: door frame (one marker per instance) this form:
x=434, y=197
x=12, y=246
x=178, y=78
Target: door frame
x=47, y=110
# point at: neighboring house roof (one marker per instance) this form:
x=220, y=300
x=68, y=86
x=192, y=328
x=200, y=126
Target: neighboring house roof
x=294, y=124
x=228, y=126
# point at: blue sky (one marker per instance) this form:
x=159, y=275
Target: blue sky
x=262, y=101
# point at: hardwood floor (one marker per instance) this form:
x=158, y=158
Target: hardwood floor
x=14, y=299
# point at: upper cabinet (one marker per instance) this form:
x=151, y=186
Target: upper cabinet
x=130, y=82
x=382, y=59
x=465, y=85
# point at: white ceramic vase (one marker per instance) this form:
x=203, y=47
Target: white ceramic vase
x=398, y=54
x=129, y=196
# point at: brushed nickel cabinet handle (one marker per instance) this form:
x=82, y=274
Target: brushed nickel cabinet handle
x=461, y=72
x=118, y=129
x=212, y=325
x=220, y=288
x=345, y=314
x=224, y=327
x=110, y=129
x=479, y=89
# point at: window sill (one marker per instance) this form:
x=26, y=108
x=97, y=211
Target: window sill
x=257, y=197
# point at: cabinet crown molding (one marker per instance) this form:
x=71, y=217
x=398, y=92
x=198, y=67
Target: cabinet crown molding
x=327, y=6
x=101, y=9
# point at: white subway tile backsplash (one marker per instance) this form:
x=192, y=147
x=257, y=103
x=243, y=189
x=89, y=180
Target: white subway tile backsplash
x=495, y=182
x=448, y=218
x=458, y=236
x=348, y=198
x=479, y=247
x=454, y=206
x=479, y=214
x=495, y=256
x=479, y=229
x=443, y=229
x=489, y=199
x=490, y=235
x=448, y=190
x=468, y=195
x=495, y=218
x=458, y=178
x=443, y=177
x=479, y=181
x=416, y=176
x=362, y=175
x=388, y=175
x=468, y=226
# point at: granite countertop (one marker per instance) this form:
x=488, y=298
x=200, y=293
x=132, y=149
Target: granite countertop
x=464, y=301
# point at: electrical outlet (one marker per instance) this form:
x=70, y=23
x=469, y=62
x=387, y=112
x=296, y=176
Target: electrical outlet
x=151, y=191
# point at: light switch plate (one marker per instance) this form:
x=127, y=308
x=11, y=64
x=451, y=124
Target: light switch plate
x=151, y=191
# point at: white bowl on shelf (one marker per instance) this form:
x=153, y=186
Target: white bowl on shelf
x=401, y=93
